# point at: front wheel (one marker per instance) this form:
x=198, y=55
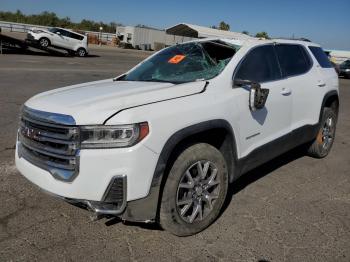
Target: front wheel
x=195, y=190
x=44, y=42
x=322, y=145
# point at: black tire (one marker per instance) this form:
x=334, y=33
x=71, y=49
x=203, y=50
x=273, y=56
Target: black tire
x=210, y=159
x=44, y=42
x=321, y=146
x=81, y=52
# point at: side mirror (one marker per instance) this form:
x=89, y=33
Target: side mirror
x=58, y=33
x=257, y=95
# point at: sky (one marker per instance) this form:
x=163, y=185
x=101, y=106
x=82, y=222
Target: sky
x=323, y=21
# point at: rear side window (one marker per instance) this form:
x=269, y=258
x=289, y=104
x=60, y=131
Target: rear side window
x=320, y=56
x=260, y=65
x=293, y=59
x=71, y=35
x=76, y=36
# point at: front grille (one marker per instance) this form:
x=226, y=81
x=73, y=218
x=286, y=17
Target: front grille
x=50, y=141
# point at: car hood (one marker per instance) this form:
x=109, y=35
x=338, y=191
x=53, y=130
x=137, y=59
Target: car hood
x=40, y=29
x=92, y=103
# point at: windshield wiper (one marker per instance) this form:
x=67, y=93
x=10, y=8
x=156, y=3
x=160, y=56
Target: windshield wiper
x=159, y=80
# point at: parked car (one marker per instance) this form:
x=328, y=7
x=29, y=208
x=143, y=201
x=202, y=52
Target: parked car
x=164, y=141
x=345, y=69
x=73, y=42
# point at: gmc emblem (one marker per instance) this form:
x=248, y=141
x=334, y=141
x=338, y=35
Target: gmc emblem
x=30, y=133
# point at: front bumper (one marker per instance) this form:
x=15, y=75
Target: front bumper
x=98, y=167
x=31, y=38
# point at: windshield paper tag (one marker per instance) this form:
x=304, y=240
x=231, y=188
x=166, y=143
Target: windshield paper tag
x=176, y=59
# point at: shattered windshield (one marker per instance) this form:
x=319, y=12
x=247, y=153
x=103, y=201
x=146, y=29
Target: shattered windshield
x=184, y=63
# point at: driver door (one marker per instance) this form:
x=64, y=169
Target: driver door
x=262, y=132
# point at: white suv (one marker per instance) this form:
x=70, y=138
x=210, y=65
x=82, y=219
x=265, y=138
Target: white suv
x=73, y=42
x=163, y=142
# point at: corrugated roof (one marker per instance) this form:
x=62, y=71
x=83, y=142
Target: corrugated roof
x=197, y=31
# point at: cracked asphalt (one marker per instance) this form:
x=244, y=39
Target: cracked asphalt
x=293, y=208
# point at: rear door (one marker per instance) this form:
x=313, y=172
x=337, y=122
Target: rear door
x=300, y=78
x=64, y=39
x=304, y=82
x=327, y=75
x=259, y=128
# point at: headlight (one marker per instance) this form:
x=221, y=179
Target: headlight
x=347, y=70
x=112, y=136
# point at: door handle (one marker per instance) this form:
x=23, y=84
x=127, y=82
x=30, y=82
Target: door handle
x=286, y=91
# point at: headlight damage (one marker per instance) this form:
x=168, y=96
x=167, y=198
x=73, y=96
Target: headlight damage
x=112, y=136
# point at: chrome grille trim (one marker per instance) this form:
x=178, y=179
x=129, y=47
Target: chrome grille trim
x=50, y=144
x=47, y=117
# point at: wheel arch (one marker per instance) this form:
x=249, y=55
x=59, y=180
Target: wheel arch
x=331, y=99
x=218, y=133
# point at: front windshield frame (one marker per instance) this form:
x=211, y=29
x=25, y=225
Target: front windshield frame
x=198, y=64
x=53, y=29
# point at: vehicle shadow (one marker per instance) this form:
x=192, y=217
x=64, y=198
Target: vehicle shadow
x=237, y=186
x=50, y=52
x=260, y=172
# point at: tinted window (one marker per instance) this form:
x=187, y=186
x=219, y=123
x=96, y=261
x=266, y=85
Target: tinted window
x=260, y=65
x=53, y=30
x=76, y=36
x=345, y=64
x=320, y=56
x=63, y=32
x=293, y=59
x=70, y=34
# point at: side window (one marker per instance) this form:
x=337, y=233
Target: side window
x=63, y=32
x=293, y=59
x=320, y=56
x=260, y=65
x=76, y=36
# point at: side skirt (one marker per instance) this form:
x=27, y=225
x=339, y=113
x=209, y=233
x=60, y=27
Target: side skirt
x=275, y=148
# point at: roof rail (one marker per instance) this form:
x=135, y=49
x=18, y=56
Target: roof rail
x=297, y=39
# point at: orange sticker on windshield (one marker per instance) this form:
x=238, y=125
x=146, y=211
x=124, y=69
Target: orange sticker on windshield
x=176, y=59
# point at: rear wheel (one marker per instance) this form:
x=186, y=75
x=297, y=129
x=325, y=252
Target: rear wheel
x=195, y=190
x=322, y=145
x=44, y=42
x=81, y=52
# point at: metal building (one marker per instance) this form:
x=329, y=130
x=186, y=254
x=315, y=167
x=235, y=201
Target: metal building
x=148, y=38
x=196, y=31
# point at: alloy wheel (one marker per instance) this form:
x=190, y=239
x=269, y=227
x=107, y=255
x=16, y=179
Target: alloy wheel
x=327, y=133
x=44, y=42
x=197, y=191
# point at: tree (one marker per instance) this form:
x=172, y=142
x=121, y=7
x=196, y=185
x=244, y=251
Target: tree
x=51, y=19
x=245, y=32
x=224, y=26
x=214, y=27
x=262, y=35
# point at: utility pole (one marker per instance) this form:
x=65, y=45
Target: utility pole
x=101, y=28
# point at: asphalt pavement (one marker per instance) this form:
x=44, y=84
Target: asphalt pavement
x=293, y=208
